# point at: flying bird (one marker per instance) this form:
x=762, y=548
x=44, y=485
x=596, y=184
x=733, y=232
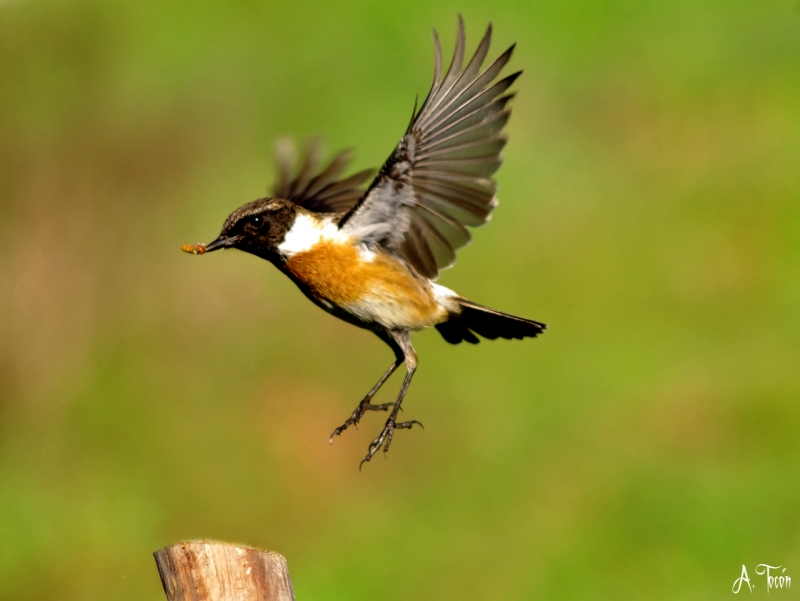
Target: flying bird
x=371, y=256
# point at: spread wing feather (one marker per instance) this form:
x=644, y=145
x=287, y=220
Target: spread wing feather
x=314, y=188
x=439, y=178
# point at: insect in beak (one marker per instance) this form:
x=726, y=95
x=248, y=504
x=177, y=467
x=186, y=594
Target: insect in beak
x=195, y=249
x=201, y=249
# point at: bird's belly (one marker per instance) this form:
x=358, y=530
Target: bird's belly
x=374, y=288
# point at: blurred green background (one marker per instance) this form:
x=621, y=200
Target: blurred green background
x=646, y=447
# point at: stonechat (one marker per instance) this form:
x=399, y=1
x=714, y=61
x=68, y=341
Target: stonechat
x=371, y=256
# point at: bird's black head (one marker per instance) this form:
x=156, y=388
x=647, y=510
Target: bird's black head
x=257, y=227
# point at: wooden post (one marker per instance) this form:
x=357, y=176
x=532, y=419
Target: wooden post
x=210, y=571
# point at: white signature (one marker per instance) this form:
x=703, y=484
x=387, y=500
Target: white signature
x=774, y=580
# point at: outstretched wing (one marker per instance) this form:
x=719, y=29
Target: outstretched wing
x=439, y=178
x=313, y=188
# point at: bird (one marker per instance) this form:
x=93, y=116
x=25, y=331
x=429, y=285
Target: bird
x=371, y=255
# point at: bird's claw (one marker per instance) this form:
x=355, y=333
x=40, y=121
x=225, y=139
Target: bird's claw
x=384, y=439
x=357, y=414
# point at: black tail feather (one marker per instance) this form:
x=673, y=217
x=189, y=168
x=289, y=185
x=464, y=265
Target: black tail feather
x=477, y=319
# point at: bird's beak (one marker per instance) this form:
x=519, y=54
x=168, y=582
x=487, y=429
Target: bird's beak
x=201, y=249
x=221, y=242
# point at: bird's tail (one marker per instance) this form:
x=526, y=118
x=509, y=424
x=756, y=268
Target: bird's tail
x=476, y=319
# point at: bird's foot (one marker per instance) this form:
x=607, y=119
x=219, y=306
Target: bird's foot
x=356, y=416
x=385, y=438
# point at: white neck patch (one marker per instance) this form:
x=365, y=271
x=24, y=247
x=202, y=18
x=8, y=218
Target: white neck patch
x=306, y=232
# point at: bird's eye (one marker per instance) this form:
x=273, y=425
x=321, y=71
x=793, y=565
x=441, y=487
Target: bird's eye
x=256, y=221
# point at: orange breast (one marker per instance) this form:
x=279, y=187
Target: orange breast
x=339, y=274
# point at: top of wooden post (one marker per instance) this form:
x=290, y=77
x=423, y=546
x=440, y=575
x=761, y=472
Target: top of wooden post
x=212, y=571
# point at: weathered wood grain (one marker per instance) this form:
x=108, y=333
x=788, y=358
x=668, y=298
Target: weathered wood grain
x=212, y=571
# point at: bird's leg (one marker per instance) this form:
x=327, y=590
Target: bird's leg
x=402, y=343
x=365, y=404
